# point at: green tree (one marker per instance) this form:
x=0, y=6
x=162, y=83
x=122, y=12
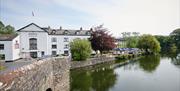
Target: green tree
x=6, y=29
x=80, y=49
x=173, y=48
x=175, y=35
x=132, y=42
x=149, y=43
x=149, y=63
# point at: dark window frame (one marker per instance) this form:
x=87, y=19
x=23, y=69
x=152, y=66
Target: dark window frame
x=66, y=39
x=33, y=43
x=54, y=46
x=1, y=46
x=53, y=39
x=54, y=53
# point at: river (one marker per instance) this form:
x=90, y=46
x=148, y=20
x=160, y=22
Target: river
x=150, y=73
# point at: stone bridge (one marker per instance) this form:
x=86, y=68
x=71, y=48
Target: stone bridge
x=50, y=74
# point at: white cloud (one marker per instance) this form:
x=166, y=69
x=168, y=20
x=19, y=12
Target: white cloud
x=145, y=16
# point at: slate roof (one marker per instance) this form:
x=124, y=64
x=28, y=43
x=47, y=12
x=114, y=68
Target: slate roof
x=61, y=31
x=68, y=32
x=7, y=37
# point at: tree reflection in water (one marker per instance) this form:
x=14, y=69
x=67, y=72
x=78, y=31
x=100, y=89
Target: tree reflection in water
x=149, y=63
x=100, y=79
x=176, y=59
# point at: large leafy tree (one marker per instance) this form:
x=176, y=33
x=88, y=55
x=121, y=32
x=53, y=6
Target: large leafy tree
x=149, y=43
x=6, y=29
x=101, y=40
x=132, y=42
x=80, y=49
x=175, y=35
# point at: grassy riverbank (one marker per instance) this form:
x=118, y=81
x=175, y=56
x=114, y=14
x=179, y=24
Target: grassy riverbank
x=2, y=67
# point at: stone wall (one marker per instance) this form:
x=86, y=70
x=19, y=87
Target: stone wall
x=47, y=73
x=90, y=62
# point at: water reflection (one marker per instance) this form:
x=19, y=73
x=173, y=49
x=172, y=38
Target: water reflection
x=176, y=59
x=149, y=63
x=100, y=79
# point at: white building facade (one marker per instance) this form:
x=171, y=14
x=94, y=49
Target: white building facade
x=36, y=41
x=9, y=47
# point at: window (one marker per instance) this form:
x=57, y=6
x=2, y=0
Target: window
x=42, y=53
x=2, y=56
x=66, y=53
x=77, y=32
x=54, y=46
x=33, y=44
x=66, y=32
x=66, y=39
x=1, y=46
x=54, y=53
x=33, y=54
x=88, y=33
x=66, y=46
x=53, y=40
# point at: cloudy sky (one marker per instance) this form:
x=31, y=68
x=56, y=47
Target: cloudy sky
x=145, y=16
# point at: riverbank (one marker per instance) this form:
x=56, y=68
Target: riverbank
x=90, y=62
x=100, y=60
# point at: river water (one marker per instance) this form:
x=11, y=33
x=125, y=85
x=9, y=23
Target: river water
x=150, y=73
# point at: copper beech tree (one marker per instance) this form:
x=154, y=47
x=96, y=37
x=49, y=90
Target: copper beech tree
x=101, y=39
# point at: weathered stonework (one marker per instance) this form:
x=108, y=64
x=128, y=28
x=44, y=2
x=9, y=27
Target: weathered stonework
x=39, y=76
x=90, y=62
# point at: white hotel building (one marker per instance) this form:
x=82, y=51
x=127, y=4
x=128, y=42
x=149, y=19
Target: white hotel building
x=36, y=41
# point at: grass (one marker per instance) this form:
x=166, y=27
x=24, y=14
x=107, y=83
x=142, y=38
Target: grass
x=2, y=67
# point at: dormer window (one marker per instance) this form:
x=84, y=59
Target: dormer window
x=77, y=32
x=66, y=32
x=88, y=33
x=53, y=31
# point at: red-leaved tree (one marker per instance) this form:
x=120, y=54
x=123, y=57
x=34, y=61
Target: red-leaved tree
x=101, y=40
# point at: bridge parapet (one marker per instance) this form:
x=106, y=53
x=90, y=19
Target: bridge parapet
x=49, y=73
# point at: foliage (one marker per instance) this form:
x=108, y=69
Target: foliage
x=175, y=36
x=121, y=57
x=173, y=48
x=80, y=49
x=97, y=79
x=149, y=43
x=149, y=63
x=165, y=42
x=132, y=42
x=6, y=29
x=101, y=40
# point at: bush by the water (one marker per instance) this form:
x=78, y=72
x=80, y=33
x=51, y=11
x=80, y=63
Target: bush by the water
x=126, y=56
x=80, y=49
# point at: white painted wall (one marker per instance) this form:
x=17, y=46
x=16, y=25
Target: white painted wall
x=33, y=31
x=16, y=51
x=9, y=49
x=44, y=41
x=60, y=42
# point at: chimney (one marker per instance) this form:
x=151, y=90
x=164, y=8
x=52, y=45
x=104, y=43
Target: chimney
x=81, y=28
x=60, y=27
x=91, y=29
x=49, y=27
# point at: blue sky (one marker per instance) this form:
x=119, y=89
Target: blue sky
x=144, y=16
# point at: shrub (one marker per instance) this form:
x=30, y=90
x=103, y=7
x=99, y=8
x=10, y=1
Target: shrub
x=80, y=49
